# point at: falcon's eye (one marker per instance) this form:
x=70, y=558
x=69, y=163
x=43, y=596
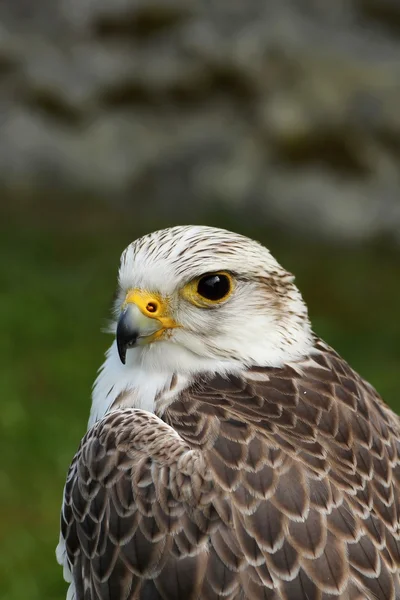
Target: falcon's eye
x=214, y=287
x=209, y=289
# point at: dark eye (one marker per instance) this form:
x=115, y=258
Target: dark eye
x=214, y=286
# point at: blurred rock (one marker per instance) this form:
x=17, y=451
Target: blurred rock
x=285, y=112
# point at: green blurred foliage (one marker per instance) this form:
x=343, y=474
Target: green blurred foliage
x=58, y=269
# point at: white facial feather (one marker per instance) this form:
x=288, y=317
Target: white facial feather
x=263, y=323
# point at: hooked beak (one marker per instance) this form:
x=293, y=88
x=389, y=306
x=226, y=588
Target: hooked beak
x=143, y=320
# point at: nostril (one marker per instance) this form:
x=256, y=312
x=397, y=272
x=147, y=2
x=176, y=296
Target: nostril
x=151, y=307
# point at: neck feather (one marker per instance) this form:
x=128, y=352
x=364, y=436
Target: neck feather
x=155, y=374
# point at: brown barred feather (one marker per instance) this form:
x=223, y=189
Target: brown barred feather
x=283, y=484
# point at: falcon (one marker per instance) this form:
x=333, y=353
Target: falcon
x=231, y=454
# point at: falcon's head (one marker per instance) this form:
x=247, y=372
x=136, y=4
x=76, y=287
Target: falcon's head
x=195, y=298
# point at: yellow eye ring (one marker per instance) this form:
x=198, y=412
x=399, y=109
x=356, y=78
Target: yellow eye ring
x=209, y=289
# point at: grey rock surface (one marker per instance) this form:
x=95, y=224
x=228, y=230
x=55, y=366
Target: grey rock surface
x=286, y=112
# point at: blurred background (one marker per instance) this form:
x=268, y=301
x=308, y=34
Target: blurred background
x=279, y=119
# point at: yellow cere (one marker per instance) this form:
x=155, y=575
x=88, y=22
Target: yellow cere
x=151, y=305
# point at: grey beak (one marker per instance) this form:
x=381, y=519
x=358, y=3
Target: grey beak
x=133, y=328
x=127, y=334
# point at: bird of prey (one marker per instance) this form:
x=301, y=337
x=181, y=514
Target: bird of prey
x=231, y=454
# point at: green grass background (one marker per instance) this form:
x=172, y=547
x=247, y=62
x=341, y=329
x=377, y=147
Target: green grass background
x=58, y=268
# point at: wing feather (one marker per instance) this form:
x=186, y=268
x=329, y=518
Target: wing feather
x=281, y=484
